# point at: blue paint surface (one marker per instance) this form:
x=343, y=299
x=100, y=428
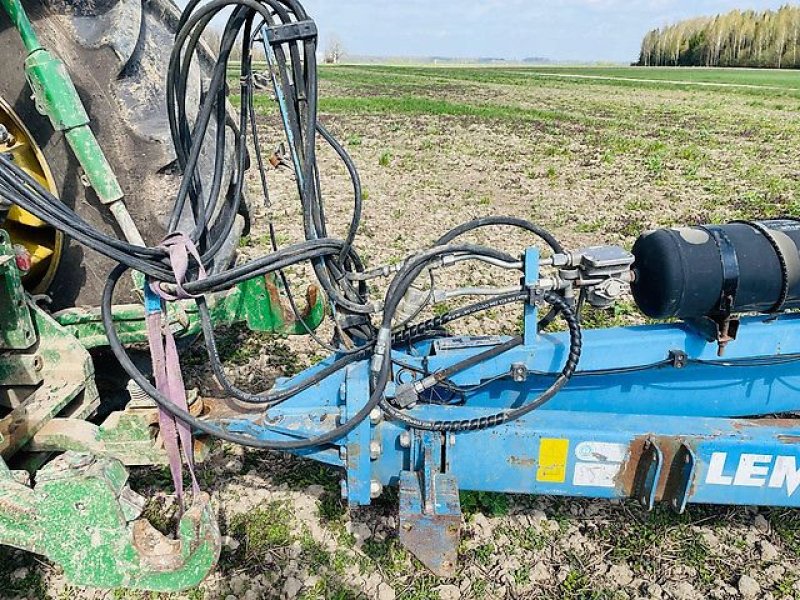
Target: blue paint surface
x=625, y=393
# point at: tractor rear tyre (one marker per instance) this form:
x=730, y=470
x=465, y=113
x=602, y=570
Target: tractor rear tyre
x=117, y=53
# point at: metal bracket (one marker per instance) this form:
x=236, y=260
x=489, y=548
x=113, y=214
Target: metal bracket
x=648, y=472
x=680, y=479
x=531, y=315
x=290, y=32
x=359, y=464
x=719, y=330
x=127, y=435
x=430, y=509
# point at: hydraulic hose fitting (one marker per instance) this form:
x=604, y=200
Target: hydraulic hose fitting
x=382, y=342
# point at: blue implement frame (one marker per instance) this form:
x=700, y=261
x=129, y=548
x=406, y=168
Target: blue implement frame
x=652, y=413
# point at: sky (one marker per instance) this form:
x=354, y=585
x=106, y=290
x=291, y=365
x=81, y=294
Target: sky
x=562, y=30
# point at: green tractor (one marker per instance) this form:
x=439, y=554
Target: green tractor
x=83, y=112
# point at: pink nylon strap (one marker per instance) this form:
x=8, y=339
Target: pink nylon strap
x=179, y=247
x=176, y=434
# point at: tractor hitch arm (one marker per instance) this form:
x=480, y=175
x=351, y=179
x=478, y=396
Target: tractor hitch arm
x=82, y=515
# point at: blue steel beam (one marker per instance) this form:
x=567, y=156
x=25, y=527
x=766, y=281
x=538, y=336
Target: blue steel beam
x=652, y=413
x=569, y=453
x=631, y=422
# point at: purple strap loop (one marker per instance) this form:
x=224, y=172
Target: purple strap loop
x=179, y=247
x=175, y=433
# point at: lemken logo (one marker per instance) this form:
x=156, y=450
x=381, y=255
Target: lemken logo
x=755, y=470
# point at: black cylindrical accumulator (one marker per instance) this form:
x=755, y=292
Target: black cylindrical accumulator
x=683, y=272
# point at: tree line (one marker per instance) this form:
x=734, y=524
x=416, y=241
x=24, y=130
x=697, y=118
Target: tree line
x=749, y=38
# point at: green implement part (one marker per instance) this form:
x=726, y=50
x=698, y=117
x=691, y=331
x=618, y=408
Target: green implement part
x=257, y=302
x=82, y=515
x=16, y=324
x=50, y=375
x=130, y=435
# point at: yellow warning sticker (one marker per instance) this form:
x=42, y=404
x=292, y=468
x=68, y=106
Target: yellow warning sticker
x=552, y=460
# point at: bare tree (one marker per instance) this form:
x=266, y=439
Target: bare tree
x=213, y=38
x=334, y=50
x=769, y=38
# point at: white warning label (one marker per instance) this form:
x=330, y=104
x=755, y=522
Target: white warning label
x=601, y=451
x=598, y=463
x=595, y=474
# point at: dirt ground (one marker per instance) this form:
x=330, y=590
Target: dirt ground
x=594, y=161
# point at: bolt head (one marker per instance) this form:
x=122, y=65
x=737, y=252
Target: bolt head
x=374, y=449
x=343, y=452
x=375, y=488
x=405, y=440
x=376, y=415
x=519, y=372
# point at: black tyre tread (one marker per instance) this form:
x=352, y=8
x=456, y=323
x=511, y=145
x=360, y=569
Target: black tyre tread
x=116, y=52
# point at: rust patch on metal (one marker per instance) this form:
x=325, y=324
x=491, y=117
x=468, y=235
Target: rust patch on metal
x=160, y=552
x=624, y=480
x=312, y=294
x=741, y=424
x=667, y=444
x=274, y=295
x=519, y=461
x=227, y=408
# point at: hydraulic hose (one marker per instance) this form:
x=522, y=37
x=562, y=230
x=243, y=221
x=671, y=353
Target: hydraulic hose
x=483, y=422
x=208, y=427
x=207, y=204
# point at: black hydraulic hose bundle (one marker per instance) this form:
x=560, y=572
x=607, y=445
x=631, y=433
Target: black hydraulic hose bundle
x=574, y=353
x=289, y=40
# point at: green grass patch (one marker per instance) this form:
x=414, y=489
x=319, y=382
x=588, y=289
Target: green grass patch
x=385, y=159
x=529, y=539
x=754, y=82
x=648, y=539
x=620, y=314
x=578, y=586
x=387, y=554
x=417, y=105
x=263, y=530
x=786, y=524
x=488, y=503
x=237, y=346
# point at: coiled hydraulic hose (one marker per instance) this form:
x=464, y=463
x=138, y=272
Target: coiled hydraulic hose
x=481, y=222
x=335, y=262
x=206, y=426
x=573, y=356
